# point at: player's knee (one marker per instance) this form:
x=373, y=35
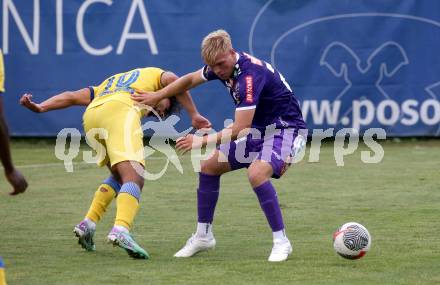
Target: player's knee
x=254, y=176
x=129, y=172
x=206, y=167
x=210, y=167
x=137, y=180
x=257, y=175
x=133, y=177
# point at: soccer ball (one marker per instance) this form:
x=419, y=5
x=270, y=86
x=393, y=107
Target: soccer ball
x=352, y=240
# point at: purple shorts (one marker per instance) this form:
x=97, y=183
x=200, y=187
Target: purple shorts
x=275, y=148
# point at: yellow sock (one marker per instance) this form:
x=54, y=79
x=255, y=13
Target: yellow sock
x=2, y=277
x=103, y=197
x=127, y=204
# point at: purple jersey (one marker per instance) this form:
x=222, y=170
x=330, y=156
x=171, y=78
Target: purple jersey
x=256, y=84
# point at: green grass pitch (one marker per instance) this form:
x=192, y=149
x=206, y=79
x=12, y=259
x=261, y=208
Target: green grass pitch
x=398, y=200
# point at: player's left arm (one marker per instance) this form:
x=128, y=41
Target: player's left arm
x=63, y=100
x=185, y=99
x=240, y=128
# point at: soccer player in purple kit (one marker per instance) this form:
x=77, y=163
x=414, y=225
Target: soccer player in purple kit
x=264, y=102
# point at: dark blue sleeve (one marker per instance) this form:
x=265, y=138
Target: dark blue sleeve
x=92, y=93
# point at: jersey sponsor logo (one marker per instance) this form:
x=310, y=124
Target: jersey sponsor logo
x=249, y=89
x=102, y=189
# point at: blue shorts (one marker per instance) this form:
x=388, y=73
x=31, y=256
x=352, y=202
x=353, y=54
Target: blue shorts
x=276, y=149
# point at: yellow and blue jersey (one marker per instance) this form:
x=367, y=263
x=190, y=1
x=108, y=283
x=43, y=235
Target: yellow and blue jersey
x=120, y=86
x=119, y=116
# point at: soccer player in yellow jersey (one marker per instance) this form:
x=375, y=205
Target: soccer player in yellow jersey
x=15, y=178
x=109, y=108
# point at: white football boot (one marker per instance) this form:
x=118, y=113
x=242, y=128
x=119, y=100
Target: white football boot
x=196, y=244
x=280, y=251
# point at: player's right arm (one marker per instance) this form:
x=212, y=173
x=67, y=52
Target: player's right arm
x=179, y=86
x=63, y=100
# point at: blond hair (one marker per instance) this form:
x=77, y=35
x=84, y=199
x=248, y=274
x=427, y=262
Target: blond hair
x=214, y=43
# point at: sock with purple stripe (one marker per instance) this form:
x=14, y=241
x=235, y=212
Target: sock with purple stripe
x=269, y=204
